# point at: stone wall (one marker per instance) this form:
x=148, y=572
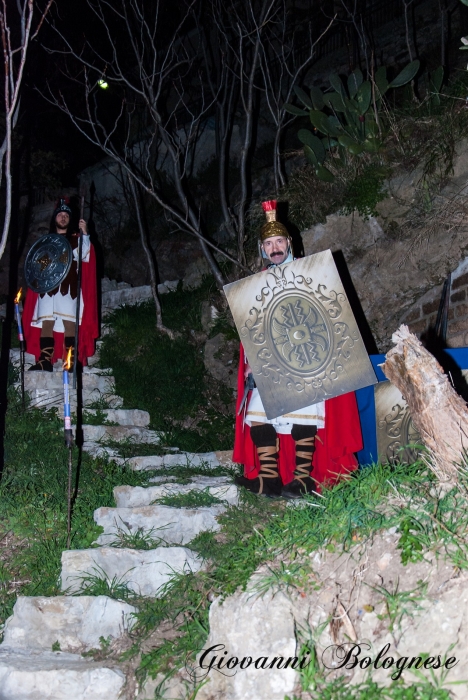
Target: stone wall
x=423, y=314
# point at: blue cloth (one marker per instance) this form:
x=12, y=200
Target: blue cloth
x=366, y=403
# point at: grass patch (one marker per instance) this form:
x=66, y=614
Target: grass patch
x=340, y=690
x=138, y=539
x=192, y=499
x=259, y=531
x=33, y=502
x=167, y=377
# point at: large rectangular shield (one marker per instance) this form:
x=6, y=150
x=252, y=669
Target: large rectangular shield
x=299, y=334
x=397, y=438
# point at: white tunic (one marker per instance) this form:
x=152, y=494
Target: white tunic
x=310, y=415
x=60, y=307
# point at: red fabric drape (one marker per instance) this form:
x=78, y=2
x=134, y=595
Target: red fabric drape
x=335, y=444
x=89, y=327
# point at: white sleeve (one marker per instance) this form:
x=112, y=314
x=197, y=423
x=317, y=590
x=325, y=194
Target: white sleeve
x=85, y=250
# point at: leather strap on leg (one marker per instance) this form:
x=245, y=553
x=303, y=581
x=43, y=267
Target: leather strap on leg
x=304, y=437
x=44, y=362
x=304, y=457
x=268, y=457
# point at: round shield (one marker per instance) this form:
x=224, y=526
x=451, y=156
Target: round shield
x=47, y=263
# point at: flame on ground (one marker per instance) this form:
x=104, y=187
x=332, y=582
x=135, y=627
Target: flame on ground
x=18, y=296
x=67, y=363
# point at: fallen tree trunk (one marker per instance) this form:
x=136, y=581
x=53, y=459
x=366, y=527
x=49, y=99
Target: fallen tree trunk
x=438, y=412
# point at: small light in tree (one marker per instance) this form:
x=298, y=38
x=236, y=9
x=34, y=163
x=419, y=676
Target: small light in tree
x=103, y=84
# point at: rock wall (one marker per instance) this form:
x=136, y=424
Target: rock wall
x=394, y=272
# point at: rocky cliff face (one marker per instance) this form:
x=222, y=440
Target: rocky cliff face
x=398, y=261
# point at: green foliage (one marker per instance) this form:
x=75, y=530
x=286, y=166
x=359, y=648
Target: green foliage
x=167, y=377
x=400, y=603
x=192, y=499
x=139, y=539
x=350, y=122
x=409, y=542
x=365, y=192
x=340, y=689
x=98, y=583
x=33, y=501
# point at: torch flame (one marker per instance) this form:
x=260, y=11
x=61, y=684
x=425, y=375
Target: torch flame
x=67, y=363
x=18, y=296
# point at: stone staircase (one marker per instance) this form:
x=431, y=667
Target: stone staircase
x=41, y=655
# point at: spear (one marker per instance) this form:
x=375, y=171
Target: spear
x=78, y=293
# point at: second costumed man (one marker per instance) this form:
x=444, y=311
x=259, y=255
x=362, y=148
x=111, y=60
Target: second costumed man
x=49, y=319
x=285, y=456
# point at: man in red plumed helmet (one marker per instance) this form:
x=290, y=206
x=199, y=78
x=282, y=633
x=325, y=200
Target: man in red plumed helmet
x=280, y=455
x=49, y=318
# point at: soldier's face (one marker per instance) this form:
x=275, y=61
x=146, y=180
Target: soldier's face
x=276, y=249
x=62, y=220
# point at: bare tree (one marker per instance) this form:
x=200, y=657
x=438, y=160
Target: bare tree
x=16, y=27
x=253, y=60
x=287, y=51
x=163, y=104
x=149, y=257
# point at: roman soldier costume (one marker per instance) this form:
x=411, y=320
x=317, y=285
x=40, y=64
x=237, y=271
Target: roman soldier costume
x=280, y=455
x=49, y=318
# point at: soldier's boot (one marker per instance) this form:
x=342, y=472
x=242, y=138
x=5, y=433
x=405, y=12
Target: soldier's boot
x=304, y=437
x=268, y=482
x=44, y=363
x=70, y=343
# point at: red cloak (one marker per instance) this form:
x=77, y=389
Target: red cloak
x=89, y=326
x=335, y=444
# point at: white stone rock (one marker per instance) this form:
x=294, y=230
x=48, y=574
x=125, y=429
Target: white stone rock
x=173, y=525
x=219, y=487
x=120, y=433
x=123, y=416
x=171, y=285
x=144, y=572
x=249, y=626
x=96, y=450
x=46, y=388
x=190, y=459
x=124, y=296
x=39, y=675
x=76, y=622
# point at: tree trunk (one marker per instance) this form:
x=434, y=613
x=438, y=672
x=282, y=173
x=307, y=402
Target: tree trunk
x=438, y=412
x=149, y=259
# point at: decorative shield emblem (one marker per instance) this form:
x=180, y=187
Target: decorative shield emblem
x=397, y=438
x=48, y=262
x=299, y=334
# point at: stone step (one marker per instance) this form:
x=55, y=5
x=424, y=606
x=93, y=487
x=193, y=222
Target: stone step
x=27, y=674
x=129, y=296
x=144, y=572
x=172, y=525
x=46, y=389
x=123, y=416
x=95, y=450
x=208, y=460
x=137, y=496
x=120, y=433
x=15, y=359
x=75, y=622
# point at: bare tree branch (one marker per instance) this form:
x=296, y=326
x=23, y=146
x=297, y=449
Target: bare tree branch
x=14, y=61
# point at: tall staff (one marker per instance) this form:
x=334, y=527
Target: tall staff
x=21, y=340
x=78, y=293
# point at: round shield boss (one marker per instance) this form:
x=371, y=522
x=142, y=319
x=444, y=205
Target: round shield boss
x=48, y=263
